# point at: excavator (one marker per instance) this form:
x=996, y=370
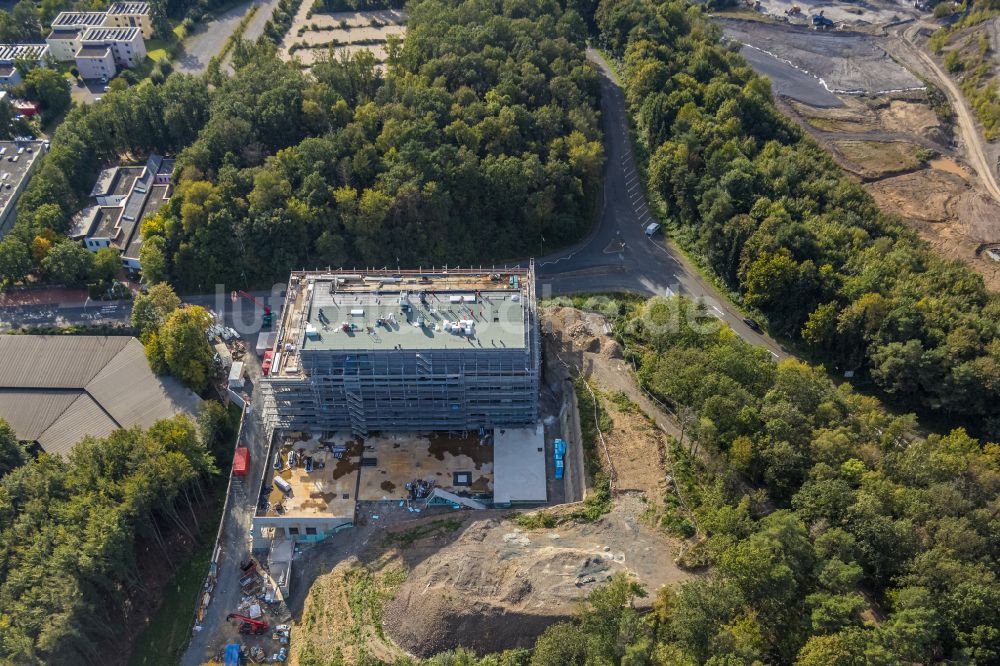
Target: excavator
x=248, y=625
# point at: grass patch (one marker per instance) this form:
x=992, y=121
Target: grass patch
x=597, y=503
x=407, y=538
x=588, y=428
x=368, y=592
x=163, y=641
x=879, y=156
x=539, y=520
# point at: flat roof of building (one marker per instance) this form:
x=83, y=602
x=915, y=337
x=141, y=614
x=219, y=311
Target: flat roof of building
x=11, y=52
x=78, y=19
x=13, y=173
x=138, y=8
x=410, y=310
x=519, y=465
x=93, y=51
x=57, y=389
x=158, y=195
x=106, y=223
x=69, y=33
x=100, y=34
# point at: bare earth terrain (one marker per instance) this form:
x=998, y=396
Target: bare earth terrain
x=860, y=91
x=401, y=583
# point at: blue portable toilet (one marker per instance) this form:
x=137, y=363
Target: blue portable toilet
x=560, y=448
x=233, y=654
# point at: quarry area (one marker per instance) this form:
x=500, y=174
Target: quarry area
x=400, y=582
x=876, y=85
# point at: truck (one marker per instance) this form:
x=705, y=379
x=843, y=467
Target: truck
x=265, y=366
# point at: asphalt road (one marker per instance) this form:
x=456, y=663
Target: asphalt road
x=210, y=36
x=618, y=256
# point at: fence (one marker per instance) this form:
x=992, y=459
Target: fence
x=213, y=564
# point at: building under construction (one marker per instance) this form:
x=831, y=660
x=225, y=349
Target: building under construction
x=419, y=350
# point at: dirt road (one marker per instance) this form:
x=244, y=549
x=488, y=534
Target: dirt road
x=974, y=146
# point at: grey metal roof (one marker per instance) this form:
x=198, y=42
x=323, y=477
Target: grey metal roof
x=58, y=389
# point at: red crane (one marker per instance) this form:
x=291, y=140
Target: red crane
x=268, y=315
x=249, y=625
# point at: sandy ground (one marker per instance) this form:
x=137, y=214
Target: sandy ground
x=321, y=30
x=497, y=586
x=636, y=443
x=877, y=139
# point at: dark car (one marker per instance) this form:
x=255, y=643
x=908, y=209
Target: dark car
x=752, y=323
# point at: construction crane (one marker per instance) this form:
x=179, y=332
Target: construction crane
x=248, y=625
x=268, y=318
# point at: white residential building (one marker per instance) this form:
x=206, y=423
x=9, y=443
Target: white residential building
x=67, y=29
x=130, y=15
x=123, y=197
x=126, y=44
x=11, y=53
x=82, y=36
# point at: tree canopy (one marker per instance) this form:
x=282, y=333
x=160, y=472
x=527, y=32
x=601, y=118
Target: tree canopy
x=772, y=215
x=68, y=531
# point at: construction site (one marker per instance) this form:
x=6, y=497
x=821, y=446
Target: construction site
x=896, y=96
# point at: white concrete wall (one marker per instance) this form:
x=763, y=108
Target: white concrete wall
x=95, y=68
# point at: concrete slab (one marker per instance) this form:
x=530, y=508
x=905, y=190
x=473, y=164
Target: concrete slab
x=519, y=465
x=329, y=491
x=402, y=458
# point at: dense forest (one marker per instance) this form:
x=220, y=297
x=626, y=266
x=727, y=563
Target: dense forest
x=70, y=531
x=777, y=220
x=480, y=140
x=831, y=534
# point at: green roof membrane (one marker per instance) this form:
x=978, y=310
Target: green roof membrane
x=415, y=320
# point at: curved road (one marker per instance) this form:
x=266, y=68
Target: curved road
x=975, y=151
x=618, y=256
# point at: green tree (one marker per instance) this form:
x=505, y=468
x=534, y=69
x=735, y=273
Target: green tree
x=15, y=260
x=69, y=263
x=181, y=348
x=107, y=264
x=12, y=454
x=48, y=87
x=152, y=309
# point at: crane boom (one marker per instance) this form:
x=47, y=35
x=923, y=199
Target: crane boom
x=268, y=317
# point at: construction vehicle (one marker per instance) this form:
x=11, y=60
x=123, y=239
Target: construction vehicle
x=265, y=367
x=268, y=317
x=821, y=22
x=248, y=625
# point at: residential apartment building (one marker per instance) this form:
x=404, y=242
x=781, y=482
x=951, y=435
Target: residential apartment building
x=123, y=197
x=104, y=50
x=67, y=29
x=10, y=54
x=102, y=42
x=130, y=15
